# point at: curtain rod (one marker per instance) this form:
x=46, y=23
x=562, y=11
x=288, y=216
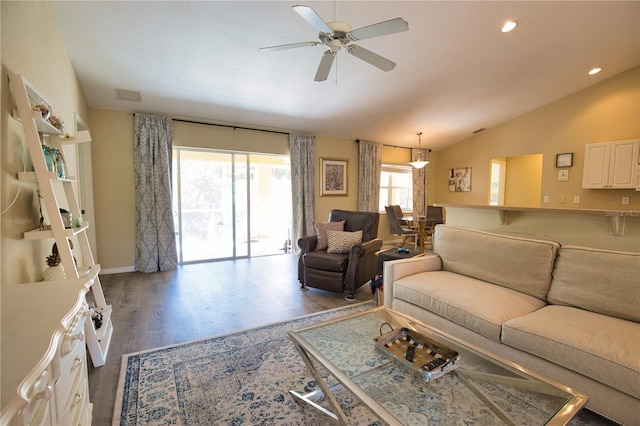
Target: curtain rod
x=396, y=146
x=231, y=127
x=228, y=126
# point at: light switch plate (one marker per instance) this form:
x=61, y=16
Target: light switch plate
x=563, y=175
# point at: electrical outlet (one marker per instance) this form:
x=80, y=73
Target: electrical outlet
x=545, y=199
x=563, y=175
x=576, y=199
x=625, y=200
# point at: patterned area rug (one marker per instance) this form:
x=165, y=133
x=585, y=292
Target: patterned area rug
x=237, y=379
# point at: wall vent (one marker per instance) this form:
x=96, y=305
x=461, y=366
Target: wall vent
x=128, y=95
x=480, y=130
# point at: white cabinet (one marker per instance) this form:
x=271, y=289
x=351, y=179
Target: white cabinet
x=44, y=358
x=611, y=165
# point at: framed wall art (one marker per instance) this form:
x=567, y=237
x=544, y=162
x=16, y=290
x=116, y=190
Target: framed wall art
x=564, y=160
x=333, y=177
x=460, y=179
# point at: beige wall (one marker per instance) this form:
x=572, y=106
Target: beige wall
x=523, y=180
x=607, y=111
x=31, y=46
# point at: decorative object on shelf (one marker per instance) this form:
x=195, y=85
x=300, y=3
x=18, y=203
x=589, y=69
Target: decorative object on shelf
x=460, y=179
x=55, y=269
x=48, y=157
x=564, y=160
x=58, y=159
x=41, y=224
x=56, y=122
x=44, y=110
x=419, y=162
x=333, y=176
x=67, y=219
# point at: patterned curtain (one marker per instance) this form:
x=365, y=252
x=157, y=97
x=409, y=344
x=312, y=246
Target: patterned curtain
x=420, y=183
x=155, y=235
x=302, y=184
x=369, y=169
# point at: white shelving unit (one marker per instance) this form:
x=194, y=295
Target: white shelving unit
x=36, y=129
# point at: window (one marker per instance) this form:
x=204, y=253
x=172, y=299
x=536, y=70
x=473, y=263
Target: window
x=396, y=187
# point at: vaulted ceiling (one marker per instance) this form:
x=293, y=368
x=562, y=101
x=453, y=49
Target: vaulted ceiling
x=456, y=71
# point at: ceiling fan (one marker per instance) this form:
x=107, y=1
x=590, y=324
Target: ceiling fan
x=337, y=35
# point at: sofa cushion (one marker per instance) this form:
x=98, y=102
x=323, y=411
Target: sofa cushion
x=521, y=264
x=597, y=346
x=474, y=304
x=603, y=281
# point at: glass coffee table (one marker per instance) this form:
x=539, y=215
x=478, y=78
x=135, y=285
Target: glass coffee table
x=483, y=389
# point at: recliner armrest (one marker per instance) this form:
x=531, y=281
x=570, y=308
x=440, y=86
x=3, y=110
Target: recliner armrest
x=308, y=243
x=359, y=250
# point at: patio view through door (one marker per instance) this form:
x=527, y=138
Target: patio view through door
x=229, y=205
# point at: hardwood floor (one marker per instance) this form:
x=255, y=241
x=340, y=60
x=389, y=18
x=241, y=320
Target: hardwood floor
x=197, y=301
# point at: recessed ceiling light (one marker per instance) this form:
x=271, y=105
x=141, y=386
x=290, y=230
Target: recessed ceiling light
x=595, y=71
x=509, y=26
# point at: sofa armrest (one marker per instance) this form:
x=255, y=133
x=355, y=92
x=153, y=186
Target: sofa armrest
x=395, y=269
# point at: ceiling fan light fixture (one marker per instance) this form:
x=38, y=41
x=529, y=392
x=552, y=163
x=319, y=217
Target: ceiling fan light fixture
x=419, y=163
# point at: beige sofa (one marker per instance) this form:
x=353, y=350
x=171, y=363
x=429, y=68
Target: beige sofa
x=568, y=313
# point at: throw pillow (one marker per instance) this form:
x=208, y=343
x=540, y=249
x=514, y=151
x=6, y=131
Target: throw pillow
x=321, y=232
x=341, y=242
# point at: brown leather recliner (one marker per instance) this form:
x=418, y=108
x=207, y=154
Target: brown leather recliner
x=338, y=272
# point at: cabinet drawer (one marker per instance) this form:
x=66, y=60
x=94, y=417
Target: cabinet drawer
x=69, y=385
x=76, y=413
x=71, y=345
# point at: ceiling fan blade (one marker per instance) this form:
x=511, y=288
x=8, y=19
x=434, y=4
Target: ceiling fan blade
x=289, y=46
x=313, y=18
x=372, y=58
x=325, y=65
x=382, y=28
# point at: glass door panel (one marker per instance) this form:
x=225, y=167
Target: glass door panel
x=270, y=191
x=229, y=205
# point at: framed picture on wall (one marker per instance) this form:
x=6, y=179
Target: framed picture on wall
x=564, y=160
x=460, y=179
x=333, y=177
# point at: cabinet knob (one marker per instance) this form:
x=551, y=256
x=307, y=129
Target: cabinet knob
x=68, y=342
x=45, y=394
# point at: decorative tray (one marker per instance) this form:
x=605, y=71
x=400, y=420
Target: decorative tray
x=417, y=353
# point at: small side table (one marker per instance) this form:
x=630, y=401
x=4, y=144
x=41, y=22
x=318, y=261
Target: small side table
x=383, y=256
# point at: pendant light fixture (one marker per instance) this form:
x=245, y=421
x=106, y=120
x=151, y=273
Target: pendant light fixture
x=419, y=163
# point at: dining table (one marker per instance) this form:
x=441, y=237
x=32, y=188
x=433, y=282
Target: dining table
x=424, y=226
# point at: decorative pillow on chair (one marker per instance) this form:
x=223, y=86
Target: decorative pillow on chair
x=321, y=232
x=341, y=242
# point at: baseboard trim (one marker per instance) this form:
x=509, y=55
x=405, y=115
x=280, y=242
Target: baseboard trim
x=120, y=270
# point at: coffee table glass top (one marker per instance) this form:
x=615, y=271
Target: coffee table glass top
x=482, y=390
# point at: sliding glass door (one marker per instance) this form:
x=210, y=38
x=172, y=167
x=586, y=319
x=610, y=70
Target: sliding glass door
x=229, y=204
